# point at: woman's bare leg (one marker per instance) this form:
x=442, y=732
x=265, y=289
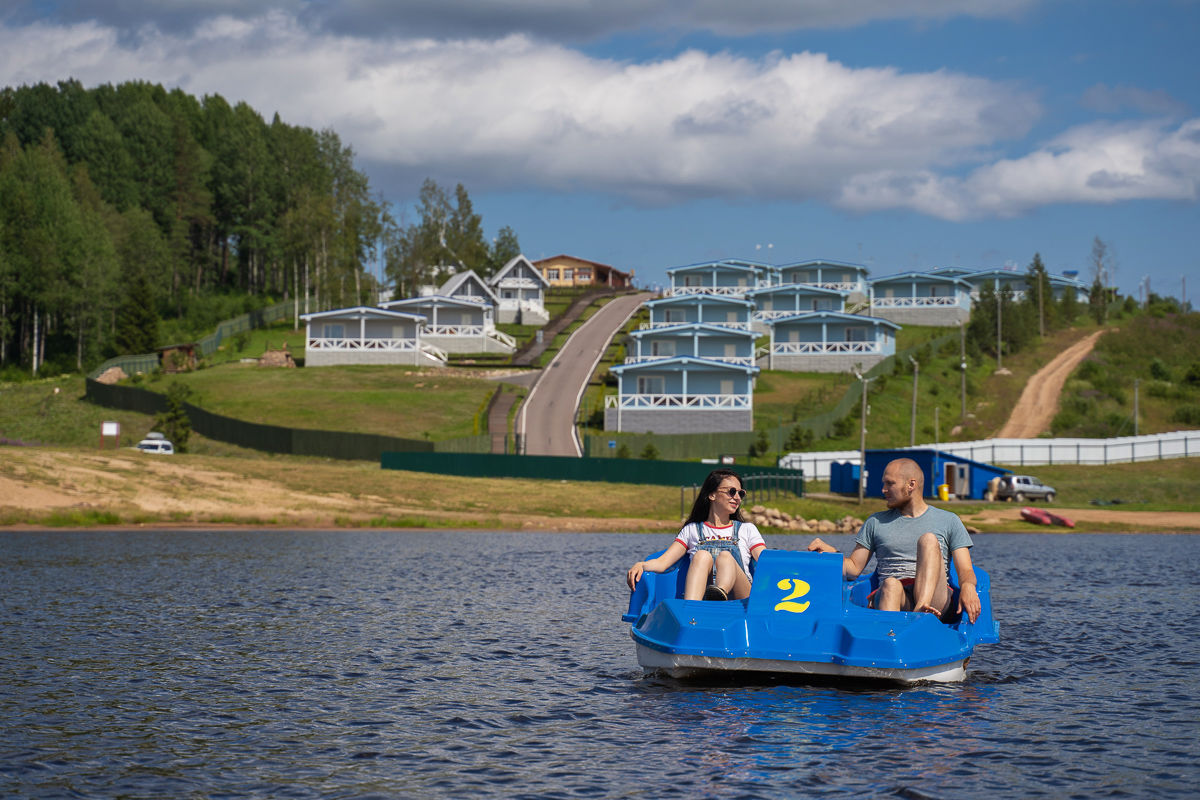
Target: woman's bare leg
x=697, y=577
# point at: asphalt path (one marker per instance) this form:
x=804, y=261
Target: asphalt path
x=547, y=419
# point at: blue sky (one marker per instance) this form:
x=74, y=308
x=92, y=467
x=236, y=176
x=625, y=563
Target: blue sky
x=900, y=134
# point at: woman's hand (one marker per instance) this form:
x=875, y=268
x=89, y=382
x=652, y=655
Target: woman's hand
x=635, y=574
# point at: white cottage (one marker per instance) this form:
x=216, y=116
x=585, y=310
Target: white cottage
x=829, y=341
x=682, y=394
x=921, y=298
x=520, y=289
x=790, y=299
x=364, y=335
x=459, y=318
x=731, y=277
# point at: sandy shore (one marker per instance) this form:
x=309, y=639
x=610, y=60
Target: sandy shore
x=41, y=487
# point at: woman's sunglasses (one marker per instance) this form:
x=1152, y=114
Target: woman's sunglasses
x=738, y=493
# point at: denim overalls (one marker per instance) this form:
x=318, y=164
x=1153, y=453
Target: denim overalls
x=715, y=546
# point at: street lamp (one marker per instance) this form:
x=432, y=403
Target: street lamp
x=862, y=438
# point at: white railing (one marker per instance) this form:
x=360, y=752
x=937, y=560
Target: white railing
x=518, y=283
x=1017, y=294
x=824, y=348
x=840, y=286
x=739, y=402
x=767, y=316
x=388, y=345
x=1029, y=452
x=914, y=302
x=502, y=337
x=737, y=326
x=523, y=305
x=747, y=361
x=454, y=330
x=436, y=353
x=732, y=291
x=473, y=298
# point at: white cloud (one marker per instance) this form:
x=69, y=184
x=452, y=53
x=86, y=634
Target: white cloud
x=519, y=112
x=1097, y=163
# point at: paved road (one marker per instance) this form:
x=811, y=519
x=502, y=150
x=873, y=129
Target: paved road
x=548, y=417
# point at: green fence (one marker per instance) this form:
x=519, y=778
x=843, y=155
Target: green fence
x=609, y=470
x=267, y=438
x=148, y=362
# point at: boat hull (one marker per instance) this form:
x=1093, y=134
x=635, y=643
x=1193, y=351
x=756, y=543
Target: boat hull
x=801, y=619
x=684, y=665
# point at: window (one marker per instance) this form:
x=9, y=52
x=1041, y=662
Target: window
x=666, y=348
x=673, y=315
x=551, y=274
x=334, y=331
x=856, y=334
x=727, y=386
x=731, y=350
x=583, y=274
x=650, y=384
x=691, y=280
x=567, y=275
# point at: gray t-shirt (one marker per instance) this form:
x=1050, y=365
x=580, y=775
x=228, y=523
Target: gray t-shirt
x=892, y=538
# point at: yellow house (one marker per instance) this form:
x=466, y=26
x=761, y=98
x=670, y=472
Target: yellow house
x=563, y=270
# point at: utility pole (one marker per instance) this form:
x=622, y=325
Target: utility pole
x=862, y=438
x=999, y=362
x=1135, y=406
x=962, y=366
x=1041, y=313
x=912, y=436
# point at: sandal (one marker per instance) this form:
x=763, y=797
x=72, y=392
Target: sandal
x=715, y=593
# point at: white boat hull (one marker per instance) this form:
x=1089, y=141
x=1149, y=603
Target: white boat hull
x=683, y=665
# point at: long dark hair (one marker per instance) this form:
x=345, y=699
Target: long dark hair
x=702, y=506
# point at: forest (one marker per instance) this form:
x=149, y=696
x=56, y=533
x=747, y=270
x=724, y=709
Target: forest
x=132, y=217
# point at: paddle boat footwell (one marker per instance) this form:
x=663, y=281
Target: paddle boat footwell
x=801, y=619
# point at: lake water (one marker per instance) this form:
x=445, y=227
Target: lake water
x=443, y=664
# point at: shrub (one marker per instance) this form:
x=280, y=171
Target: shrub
x=799, y=438
x=174, y=423
x=1159, y=371
x=623, y=451
x=650, y=452
x=1187, y=414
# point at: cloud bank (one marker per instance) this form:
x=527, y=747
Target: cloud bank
x=522, y=112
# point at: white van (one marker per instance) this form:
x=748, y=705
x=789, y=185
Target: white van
x=156, y=443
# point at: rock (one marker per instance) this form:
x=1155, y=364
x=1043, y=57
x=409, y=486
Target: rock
x=826, y=526
x=758, y=509
x=277, y=358
x=973, y=530
x=112, y=375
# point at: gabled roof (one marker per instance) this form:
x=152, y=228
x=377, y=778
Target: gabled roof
x=512, y=265
x=359, y=312
x=921, y=277
x=798, y=288
x=542, y=261
x=696, y=298
x=736, y=265
x=953, y=272
x=823, y=262
x=456, y=282
x=840, y=316
x=693, y=327
x=683, y=362
x=434, y=300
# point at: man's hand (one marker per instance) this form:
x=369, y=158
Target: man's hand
x=819, y=546
x=968, y=601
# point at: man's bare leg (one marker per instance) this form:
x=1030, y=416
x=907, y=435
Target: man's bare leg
x=890, y=596
x=929, y=591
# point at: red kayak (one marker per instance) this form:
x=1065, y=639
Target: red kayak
x=1042, y=517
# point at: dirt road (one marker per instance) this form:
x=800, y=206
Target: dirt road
x=1039, y=400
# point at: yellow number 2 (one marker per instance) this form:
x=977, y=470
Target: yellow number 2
x=799, y=589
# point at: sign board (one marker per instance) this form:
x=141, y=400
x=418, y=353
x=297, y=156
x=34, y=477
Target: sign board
x=110, y=429
x=612, y=443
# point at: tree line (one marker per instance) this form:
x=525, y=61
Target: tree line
x=131, y=215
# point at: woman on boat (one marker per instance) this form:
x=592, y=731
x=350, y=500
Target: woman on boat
x=714, y=533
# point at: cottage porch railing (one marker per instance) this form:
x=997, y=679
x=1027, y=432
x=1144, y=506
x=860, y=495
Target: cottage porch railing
x=915, y=302
x=766, y=316
x=737, y=326
x=389, y=345
x=738, y=402
x=840, y=286
x=728, y=291
x=825, y=348
x=747, y=361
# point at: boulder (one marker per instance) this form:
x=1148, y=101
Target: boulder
x=112, y=375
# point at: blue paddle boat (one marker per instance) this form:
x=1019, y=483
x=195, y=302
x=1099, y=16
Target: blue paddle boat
x=801, y=618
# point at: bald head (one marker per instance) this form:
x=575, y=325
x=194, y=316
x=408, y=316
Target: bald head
x=908, y=470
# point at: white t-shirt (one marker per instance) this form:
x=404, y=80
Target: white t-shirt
x=749, y=538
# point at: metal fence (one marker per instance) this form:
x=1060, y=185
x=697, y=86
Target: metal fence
x=1029, y=452
x=760, y=487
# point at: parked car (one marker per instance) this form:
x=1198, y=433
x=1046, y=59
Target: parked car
x=1022, y=488
x=156, y=443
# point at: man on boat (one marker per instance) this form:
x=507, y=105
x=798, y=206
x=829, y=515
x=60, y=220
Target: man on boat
x=913, y=543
